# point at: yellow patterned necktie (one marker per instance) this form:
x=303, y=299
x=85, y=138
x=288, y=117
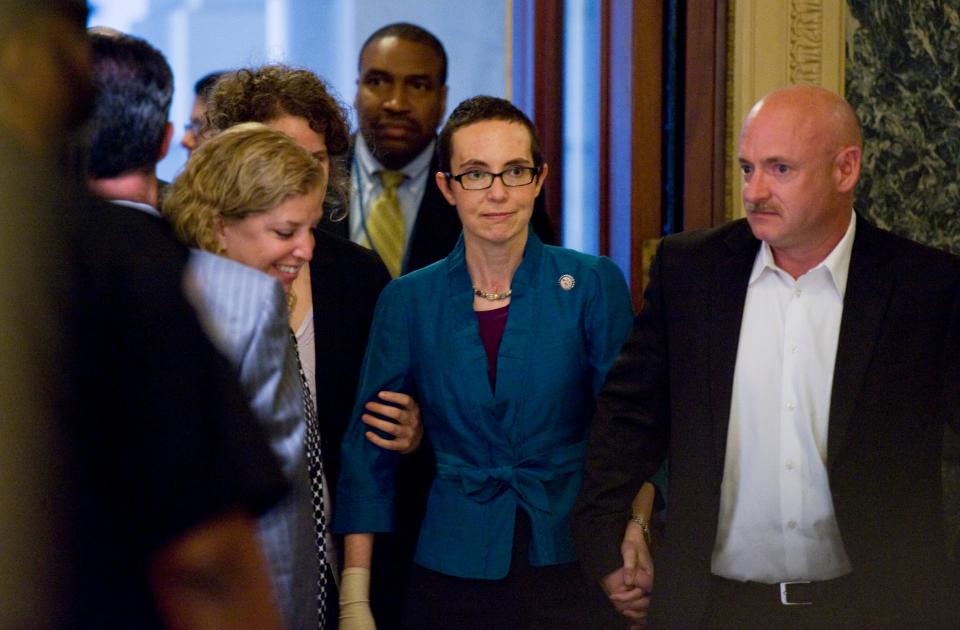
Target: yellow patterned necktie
x=385, y=229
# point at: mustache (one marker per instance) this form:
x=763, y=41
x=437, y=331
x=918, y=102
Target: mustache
x=759, y=207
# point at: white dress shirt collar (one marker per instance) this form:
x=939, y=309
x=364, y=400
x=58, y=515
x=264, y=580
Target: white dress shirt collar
x=367, y=186
x=836, y=264
x=370, y=165
x=136, y=205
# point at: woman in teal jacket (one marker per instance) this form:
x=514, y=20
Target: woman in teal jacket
x=506, y=343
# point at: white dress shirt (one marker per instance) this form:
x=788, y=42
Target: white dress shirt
x=366, y=187
x=776, y=520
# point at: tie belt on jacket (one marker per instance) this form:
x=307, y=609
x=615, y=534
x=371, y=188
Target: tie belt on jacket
x=526, y=477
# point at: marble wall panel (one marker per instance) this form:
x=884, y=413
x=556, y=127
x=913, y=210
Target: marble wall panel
x=903, y=78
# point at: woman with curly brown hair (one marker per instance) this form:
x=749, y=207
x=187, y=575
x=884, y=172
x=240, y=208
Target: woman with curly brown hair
x=294, y=101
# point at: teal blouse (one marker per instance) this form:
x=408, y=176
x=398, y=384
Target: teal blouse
x=522, y=446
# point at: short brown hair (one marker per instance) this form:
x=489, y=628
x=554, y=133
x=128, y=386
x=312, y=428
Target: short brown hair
x=268, y=92
x=477, y=109
x=246, y=170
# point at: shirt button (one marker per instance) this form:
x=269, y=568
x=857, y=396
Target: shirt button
x=796, y=292
x=792, y=525
x=789, y=465
x=794, y=348
x=790, y=406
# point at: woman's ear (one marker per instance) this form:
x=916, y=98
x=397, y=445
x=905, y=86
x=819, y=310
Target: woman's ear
x=443, y=183
x=220, y=229
x=542, y=176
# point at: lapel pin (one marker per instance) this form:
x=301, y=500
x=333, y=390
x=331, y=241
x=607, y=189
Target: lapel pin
x=567, y=282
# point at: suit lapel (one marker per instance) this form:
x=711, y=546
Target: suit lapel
x=341, y=227
x=467, y=359
x=516, y=348
x=324, y=322
x=864, y=306
x=495, y=417
x=729, y=288
x=434, y=232
x=436, y=228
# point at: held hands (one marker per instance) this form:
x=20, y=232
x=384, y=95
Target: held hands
x=407, y=430
x=355, y=600
x=630, y=586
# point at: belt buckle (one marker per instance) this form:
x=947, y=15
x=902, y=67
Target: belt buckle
x=785, y=599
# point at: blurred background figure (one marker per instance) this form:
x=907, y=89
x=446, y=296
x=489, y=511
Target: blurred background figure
x=44, y=92
x=193, y=130
x=161, y=529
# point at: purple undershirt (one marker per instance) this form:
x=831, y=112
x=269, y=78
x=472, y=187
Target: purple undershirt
x=492, y=324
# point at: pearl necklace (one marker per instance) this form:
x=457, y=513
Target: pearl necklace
x=493, y=297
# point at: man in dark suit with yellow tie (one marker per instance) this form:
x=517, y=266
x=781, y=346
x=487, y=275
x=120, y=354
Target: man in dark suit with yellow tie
x=797, y=367
x=395, y=207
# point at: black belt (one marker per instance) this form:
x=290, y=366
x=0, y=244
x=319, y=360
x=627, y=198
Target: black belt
x=796, y=593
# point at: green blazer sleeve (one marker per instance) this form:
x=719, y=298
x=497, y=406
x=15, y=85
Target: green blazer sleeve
x=365, y=490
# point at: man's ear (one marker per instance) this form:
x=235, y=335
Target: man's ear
x=444, y=185
x=167, y=139
x=443, y=101
x=847, y=168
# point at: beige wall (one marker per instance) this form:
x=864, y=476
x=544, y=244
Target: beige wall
x=777, y=43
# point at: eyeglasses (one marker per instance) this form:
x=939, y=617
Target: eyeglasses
x=481, y=180
x=194, y=126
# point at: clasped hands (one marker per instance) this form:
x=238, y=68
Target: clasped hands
x=630, y=586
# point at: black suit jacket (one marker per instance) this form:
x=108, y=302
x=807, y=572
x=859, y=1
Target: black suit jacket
x=346, y=280
x=160, y=433
x=895, y=384
x=437, y=226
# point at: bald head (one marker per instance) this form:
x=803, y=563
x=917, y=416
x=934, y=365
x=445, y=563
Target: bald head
x=822, y=113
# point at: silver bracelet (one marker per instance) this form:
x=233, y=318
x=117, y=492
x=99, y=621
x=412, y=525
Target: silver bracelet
x=644, y=526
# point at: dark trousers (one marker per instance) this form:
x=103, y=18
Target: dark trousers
x=556, y=597
x=393, y=552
